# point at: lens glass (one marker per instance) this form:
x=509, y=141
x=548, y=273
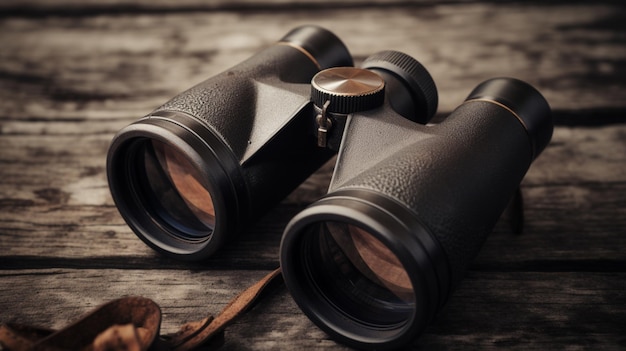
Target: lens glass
x=173, y=191
x=358, y=274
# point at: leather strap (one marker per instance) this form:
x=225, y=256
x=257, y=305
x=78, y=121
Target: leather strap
x=130, y=323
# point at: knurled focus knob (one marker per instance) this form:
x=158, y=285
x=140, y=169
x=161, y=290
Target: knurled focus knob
x=348, y=89
x=414, y=76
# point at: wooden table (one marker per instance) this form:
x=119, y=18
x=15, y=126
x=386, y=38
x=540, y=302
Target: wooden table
x=72, y=74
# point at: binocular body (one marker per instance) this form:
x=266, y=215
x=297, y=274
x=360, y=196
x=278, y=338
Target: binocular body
x=409, y=204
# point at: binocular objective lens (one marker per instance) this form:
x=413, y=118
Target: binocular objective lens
x=360, y=276
x=374, y=260
x=174, y=192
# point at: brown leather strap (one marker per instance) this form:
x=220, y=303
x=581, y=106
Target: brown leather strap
x=19, y=337
x=130, y=323
x=195, y=334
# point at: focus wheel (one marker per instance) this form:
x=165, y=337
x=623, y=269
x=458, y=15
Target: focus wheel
x=347, y=89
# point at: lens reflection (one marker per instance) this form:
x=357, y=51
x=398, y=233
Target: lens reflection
x=175, y=191
x=381, y=265
x=372, y=258
x=185, y=178
x=360, y=275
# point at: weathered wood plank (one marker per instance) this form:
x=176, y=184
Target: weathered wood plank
x=121, y=66
x=73, y=8
x=490, y=310
x=581, y=155
x=515, y=310
x=189, y=294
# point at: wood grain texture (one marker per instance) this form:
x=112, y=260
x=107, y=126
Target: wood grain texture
x=121, y=66
x=73, y=73
x=490, y=310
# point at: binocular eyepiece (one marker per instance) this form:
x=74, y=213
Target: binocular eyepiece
x=409, y=204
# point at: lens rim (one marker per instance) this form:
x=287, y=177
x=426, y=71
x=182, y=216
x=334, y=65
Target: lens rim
x=396, y=227
x=211, y=158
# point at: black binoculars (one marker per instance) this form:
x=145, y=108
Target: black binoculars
x=409, y=204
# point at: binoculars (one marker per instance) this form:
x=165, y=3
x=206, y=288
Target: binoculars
x=409, y=204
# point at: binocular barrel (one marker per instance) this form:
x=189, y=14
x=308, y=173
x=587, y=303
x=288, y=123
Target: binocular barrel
x=409, y=204
x=187, y=176
x=374, y=260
